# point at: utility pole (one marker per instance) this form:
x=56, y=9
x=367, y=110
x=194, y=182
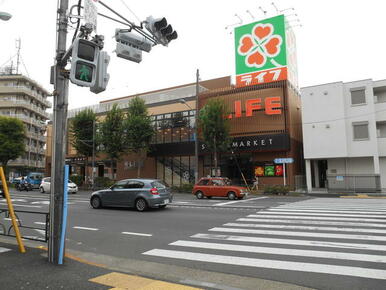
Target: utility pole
x=196, y=128
x=93, y=155
x=59, y=136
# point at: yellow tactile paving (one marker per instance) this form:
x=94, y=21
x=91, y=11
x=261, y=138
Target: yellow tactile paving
x=361, y=196
x=130, y=282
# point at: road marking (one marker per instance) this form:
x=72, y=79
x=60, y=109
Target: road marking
x=43, y=232
x=323, y=214
x=300, y=234
x=353, y=246
x=125, y=281
x=39, y=223
x=84, y=228
x=3, y=250
x=316, y=218
x=21, y=205
x=310, y=222
x=234, y=201
x=137, y=234
x=271, y=264
x=310, y=228
x=9, y=219
x=283, y=251
x=324, y=211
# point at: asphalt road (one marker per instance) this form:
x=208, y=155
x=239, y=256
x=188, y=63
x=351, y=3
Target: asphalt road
x=323, y=243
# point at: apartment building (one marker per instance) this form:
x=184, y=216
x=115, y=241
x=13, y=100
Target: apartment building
x=344, y=135
x=23, y=98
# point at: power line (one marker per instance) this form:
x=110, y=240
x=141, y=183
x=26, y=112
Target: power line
x=131, y=11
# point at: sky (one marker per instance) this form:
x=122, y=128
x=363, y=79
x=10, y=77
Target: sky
x=337, y=41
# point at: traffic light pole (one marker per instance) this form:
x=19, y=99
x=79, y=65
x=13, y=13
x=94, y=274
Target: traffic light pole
x=59, y=138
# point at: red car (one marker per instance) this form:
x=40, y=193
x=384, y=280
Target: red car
x=218, y=186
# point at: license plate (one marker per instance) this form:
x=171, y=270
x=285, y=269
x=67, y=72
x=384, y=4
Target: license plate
x=166, y=201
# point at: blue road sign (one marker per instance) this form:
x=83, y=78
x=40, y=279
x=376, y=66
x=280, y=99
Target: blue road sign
x=283, y=160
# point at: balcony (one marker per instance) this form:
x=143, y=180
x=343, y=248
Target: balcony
x=25, y=105
x=26, y=90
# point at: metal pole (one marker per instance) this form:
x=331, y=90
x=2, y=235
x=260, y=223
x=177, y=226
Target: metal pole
x=196, y=128
x=93, y=155
x=284, y=177
x=59, y=137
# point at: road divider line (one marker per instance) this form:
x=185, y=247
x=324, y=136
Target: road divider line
x=22, y=205
x=3, y=250
x=241, y=200
x=40, y=223
x=282, y=251
x=137, y=234
x=271, y=264
x=84, y=228
x=286, y=242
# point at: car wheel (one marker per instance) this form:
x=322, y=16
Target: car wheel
x=199, y=195
x=41, y=189
x=96, y=202
x=231, y=195
x=140, y=204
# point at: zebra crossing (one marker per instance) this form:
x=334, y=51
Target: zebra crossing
x=338, y=238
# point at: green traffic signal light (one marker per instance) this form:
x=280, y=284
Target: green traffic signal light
x=84, y=71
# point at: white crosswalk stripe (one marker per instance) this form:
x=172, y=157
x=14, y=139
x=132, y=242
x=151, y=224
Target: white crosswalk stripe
x=323, y=235
x=3, y=250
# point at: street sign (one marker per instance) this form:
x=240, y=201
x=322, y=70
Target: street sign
x=283, y=160
x=91, y=13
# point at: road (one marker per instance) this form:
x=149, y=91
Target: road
x=323, y=243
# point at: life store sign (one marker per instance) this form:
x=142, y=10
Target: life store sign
x=274, y=142
x=261, y=53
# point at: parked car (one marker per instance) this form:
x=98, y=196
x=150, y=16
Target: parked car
x=34, y=179
x=138, y=193
x=219, y=187
x=46, y=184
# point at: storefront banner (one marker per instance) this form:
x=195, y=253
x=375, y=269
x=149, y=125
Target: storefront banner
x=256, y=143
x=260, y=49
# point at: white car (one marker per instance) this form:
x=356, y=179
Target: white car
x=46, y=183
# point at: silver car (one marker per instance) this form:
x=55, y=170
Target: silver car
x=45, y=186
x=138, y=193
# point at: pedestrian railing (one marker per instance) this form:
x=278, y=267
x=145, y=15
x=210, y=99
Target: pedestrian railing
x=354, y=183
x=30, y=228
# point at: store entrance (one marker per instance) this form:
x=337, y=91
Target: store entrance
x=232, y=165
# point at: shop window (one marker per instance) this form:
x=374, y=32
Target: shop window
x=361, y=131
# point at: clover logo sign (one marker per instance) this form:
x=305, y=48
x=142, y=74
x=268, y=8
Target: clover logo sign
x=260, y=45
x=261, y=52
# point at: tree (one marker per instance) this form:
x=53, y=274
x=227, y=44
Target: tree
x=214, y=126
x=139, y=130
x=82, y=133
x=111, y=133
x=12, y=136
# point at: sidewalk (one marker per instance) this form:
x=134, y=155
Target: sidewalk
x=82, y=270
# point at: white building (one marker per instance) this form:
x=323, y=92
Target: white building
x=344, y=135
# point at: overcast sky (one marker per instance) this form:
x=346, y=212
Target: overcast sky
x=338, y=41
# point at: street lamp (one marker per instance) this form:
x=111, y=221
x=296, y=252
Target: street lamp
x=5, y=16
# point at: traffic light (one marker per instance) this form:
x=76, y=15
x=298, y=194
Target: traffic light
x=160, y=28
x=84, y=62
x=102, y=77
x=130, y=45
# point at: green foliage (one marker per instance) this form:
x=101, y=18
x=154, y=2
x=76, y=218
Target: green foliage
x=81, y=128
x=214, y=125
x=276, y=189
x=77, y=179
x=103, y=182
x=185, y=188
x=12, y=135
x=139, y=128
x=111, y=133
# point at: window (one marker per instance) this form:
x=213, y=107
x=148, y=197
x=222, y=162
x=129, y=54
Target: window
x=361, y=131
x=358, y=96
x=120, y=184
x=134, y=184
x=203, y=182
x=381, y=129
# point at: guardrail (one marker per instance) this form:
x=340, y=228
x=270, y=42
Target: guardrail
x=27, y=230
